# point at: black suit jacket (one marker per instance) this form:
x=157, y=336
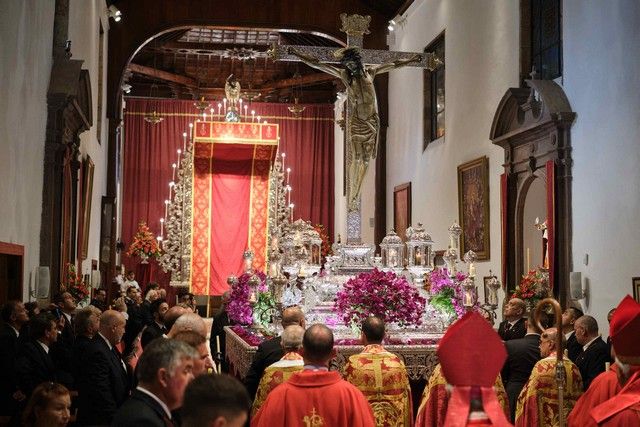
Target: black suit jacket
x=150, y=333
x=220, y=320
x=518, y=330
x=592, y=361
x=34, y=366
x=103, y=384
x=522, y=355
x=269, y=352
x=573, y=347
x=141, y=410
x=62, y=353
x=8, y=377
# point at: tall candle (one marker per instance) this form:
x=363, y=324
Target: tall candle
x=253, y=114
x=289, y=194
x=224, y=102
x=173, y=173
x=291, y=206
x=472, y=270
x=190, y=131
x=283, y=156
x=166, y=208
x=246, y=108
x=219, y=106
x=184, y=141
x=528, y=260
x=288, y=172
x=162, y=226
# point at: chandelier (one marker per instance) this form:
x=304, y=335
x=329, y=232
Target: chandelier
x=295, y=108
x=154, y=117
x=201, y=105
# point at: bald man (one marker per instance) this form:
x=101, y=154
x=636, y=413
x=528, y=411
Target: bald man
x=315, y=395
x=172, y=315
x=595, y=352
x=103, y=381
x=188, y=322
x=271, y=351
x=513, y=326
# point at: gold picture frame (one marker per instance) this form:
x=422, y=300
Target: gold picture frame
x=473, y=207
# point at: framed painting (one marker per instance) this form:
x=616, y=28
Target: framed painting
x=87, y=192
x=636, y=288
x=473, y=207
x=402, y=209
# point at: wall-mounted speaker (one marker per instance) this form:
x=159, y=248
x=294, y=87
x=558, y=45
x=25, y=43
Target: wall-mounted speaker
x=43, y=282
x=575, y=285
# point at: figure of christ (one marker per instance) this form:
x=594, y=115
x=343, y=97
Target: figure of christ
x=363, y=119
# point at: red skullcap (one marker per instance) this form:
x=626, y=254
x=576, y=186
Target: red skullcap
x=625, y=331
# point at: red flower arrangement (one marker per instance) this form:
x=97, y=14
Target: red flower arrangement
x=326, y=242
x=144, y=243
x=533, y=287
x=74, y=283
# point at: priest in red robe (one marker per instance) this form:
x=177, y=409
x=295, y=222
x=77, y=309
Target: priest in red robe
x=382, y=377
x=623, y=409
x=538, y=402
x=471, y=355
x=315, y=396
x=435, y=398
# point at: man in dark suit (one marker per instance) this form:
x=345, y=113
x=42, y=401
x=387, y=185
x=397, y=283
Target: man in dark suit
x=569, y=317
x=156, y=329
x=100, y=299
x=14, y=316
x=86, y=324
x=270, y=351
x=103, y=381
x=34, y=364
x=522, y=355
x=61, y=351
x=595, y=353
x=215, y=400
x=513, y=325
x=164, y=370
x=220, y=320
x=135, y=322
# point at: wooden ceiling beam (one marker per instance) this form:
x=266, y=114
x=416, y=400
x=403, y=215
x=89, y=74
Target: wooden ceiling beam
x=162, y=75
x=306, y=80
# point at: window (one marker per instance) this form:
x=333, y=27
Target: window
x=542, y=19
x=434, y=96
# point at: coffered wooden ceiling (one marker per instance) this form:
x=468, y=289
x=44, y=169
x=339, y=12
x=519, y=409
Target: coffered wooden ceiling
x=190, y=63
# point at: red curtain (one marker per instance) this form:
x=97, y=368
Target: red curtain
x=149, y=151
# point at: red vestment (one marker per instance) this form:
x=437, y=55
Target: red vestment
x=315, y=398
x=435, y=398
x=538, y=402
x=602, y=388
x=623, y=409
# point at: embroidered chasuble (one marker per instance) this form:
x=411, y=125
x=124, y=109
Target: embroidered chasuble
x=602, y=388
x=538, y=400
x=382, y=377
x=435, y=398
x=313, y=399
x=275, y=375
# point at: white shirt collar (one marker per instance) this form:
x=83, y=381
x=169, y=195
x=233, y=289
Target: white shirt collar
x=154, y=397
x=106, y=340
x=586, y=346
x=568, y=334
x=16, y=331
x=44, y=346
x=67, y=317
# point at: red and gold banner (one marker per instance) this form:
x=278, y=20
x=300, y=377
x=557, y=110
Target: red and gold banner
x=230, y=200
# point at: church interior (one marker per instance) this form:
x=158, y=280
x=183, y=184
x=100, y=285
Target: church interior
x=445, y=156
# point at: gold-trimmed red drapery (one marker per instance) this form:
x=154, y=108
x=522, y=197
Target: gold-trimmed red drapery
x=230, y=200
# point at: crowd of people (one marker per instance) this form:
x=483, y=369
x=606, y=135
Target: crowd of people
x=140, y=361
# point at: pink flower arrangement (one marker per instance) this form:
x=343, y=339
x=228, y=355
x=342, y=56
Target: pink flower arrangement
x=447, y=292
x=239, y=308
x=381, y=294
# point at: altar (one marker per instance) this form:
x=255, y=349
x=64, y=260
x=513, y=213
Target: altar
x=418, y=354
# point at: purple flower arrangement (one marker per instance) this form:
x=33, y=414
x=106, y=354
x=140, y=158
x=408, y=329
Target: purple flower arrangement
x=239, y=307
x=381, y=294
x=447, y=293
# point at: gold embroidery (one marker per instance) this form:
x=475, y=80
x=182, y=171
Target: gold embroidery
x=314, y=420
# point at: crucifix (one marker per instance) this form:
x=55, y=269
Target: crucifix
x=357, y=70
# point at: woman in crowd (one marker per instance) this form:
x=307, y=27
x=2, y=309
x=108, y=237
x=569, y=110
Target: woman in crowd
x=49, y=405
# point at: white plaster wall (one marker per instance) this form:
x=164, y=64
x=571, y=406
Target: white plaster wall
x=84, y=28
x=26, y=28
x=482, y=44
x=602, y=81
